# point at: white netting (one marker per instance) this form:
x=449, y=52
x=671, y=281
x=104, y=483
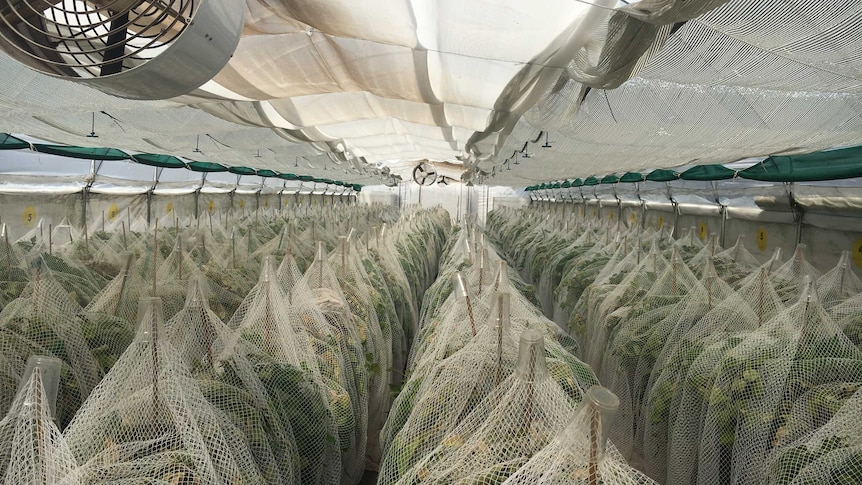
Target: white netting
x=758, y=381
x=32, y=449
x=438, y=400
x=376, y=339
x=581, y=454
x=228, y=382
x=42, y=321
x=505, y=429
x=299, y=350
x=345, y=356
x=830, y=452
x=148, y=420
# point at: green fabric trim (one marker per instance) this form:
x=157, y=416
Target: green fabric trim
x=288, y=176
x=662, y=175
x=9, y=142
x=161, y=161
x=306, y=178
x=708, y=172
x=826, y=165
x=267, y=173
x=206, y=167
x=86, y=153
x=609, y=179
x=242, y=170
x=591, y=181
x=632, y=177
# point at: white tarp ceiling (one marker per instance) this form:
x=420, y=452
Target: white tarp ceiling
x=658, y=83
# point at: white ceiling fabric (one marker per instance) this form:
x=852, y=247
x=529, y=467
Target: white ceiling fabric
x=658, y=83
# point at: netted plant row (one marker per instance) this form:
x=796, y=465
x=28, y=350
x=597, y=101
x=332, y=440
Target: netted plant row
x=728, y=370
x=260, y=351
x=493, y=392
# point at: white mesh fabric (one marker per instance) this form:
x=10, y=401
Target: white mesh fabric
x=446, y=394
x=577, y=455
x=147, y=419
x=511, y=424
x=42, y=321
x=758, y=381
x=830, y=453
x=229, y=383
x=300, y=350
x=32, y=449
x=340, y=332
x=376, y=340
x=635, y=339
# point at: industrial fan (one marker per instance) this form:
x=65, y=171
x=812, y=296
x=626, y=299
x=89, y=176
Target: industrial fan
x=138, y=49
x=425, y=174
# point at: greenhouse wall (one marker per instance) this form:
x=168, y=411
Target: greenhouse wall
x=763, y=231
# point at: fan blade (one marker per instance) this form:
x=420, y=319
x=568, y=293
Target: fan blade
x=116, y=45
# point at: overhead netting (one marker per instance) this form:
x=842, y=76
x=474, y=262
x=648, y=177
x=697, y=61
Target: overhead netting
x=719, y=361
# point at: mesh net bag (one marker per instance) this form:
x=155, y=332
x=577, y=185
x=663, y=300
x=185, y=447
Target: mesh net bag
x=345, y=357
x=385, y=291
x=32, y=449
x=228, y=382
x=148, y=422
x=582, y=454
x=758, y=382
x=120, y=297
x=446, y=394
x=634, y=342
x=602, y=307
x=13, y=270
x=43, y=322
x=838, y=284
x=654, y=381
x=679, y=400
x=848, y=317
x=788, y=277
x=299, y=360
x=437, y=341
x=376, y=339
x=446, y=333
x=735, y=263
x=229, y=267
x=384, y=252
x=515, y=421
x=829, y=453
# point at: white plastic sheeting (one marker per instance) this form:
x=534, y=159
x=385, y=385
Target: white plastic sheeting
x=485, y=83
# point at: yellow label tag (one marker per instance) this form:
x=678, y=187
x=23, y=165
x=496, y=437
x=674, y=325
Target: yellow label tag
x=28, y=217
x=660, y=222
x=241, y=203
x=634, y=219
x=703, y=231
x=762, y=240
x=857, y=253
x=113, y=211
x=211, y=206
x=170, y=207
x=611, y=215
x=266, y=204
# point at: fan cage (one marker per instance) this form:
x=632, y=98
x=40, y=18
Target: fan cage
x=85, y=39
